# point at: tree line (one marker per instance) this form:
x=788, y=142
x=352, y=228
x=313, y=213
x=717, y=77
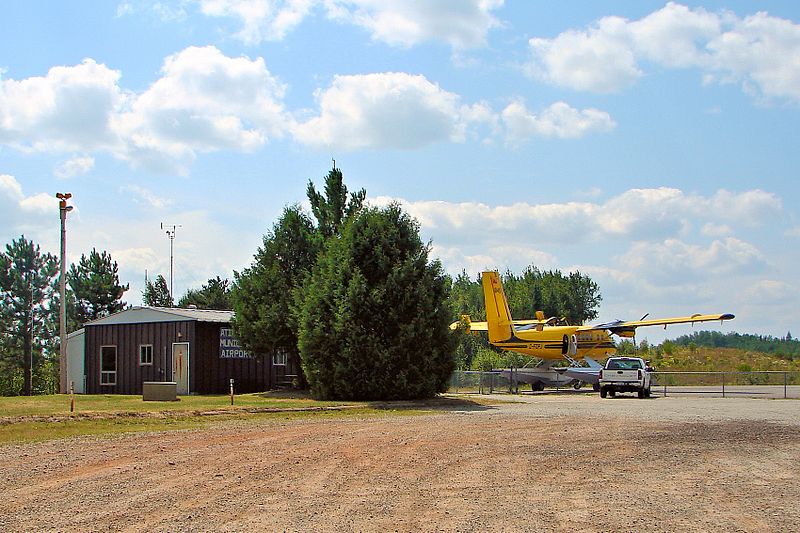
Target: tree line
x=785, y=347
x=348, y=292
x=29, y=292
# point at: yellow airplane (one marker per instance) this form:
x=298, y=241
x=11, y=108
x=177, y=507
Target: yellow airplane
x=541, y=338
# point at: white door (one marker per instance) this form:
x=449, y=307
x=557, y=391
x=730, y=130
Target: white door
x=180, y=366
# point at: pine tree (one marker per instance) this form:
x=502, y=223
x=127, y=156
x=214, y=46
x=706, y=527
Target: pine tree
x=333, y=209
x=156, y=294
x=96, y=288
x=262, y=294
x=216, y=294
x=372, y=317
x=26, y=286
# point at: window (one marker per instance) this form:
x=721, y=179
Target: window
x=624, y=364
x=279, y=358
x=145, y=354
x=108, y=365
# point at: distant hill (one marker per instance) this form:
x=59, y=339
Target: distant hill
x=711, y=351
x=785, y=348
x=706, y=359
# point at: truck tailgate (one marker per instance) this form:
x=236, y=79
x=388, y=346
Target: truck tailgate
x=620, y=375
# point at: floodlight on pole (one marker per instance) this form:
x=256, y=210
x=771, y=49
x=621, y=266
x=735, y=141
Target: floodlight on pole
x=170, y=228
x=63, y=363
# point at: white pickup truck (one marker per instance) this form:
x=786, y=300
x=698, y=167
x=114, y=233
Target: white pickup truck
x=625, y=374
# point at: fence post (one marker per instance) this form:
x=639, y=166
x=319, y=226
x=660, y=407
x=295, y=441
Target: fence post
x=723, y=384
x=785, y=382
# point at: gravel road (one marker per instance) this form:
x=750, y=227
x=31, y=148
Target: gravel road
x=546, y=463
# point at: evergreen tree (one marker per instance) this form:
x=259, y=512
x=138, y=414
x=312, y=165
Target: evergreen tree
x=262, y=294
x=96, y=288
x=216, y=294
x=333, y=209
x=157, y=294
x=372, y=316
x=26, y=286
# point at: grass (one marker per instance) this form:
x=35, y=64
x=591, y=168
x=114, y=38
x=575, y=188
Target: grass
x=43, y=418
x=59, y=404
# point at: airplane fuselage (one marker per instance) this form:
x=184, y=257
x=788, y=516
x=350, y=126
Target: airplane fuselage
x=556, y=342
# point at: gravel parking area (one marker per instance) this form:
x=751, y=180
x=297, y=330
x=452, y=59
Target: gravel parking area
x=546, y=463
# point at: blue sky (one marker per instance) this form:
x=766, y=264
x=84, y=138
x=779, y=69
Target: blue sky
x=651, y=145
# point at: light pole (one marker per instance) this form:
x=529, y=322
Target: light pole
x=171, y=235
x=63, y=209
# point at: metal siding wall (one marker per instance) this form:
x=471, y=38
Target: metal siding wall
x=127, y=338
x=208, y=373
x=249, y=375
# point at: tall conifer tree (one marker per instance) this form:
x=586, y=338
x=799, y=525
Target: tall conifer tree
x=26, y=286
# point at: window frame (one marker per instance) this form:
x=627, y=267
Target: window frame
x=142, y=362
x=280, y=358
x=108, y=374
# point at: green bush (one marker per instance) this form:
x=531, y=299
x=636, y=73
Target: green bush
x=372, y=315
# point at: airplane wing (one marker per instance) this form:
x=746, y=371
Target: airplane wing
x=484, y=326
x=627, y=329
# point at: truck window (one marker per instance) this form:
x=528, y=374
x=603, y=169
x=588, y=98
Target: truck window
x=623, y=364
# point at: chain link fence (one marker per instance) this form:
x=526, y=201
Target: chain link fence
x=758, y=384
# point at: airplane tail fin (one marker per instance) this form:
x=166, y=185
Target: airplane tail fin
x=498, y=315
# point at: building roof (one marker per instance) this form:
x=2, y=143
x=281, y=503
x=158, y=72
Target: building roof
x=144, y=314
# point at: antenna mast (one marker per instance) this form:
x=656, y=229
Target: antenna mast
x=170, y=228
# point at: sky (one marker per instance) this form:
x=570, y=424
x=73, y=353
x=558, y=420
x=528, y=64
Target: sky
x=653, y=146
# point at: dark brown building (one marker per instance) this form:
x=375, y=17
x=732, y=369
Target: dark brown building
x=193, y=347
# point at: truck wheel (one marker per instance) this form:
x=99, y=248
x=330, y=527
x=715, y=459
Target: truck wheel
x=612, y=393
x=603, y=392
x=640, y=393
x=647, y=392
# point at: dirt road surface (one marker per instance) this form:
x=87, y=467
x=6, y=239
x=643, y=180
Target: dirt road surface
x=548, y=463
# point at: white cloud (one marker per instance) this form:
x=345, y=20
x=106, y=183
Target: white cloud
x=24, y=214
x=74, y=167
x=716, y=230
x=653, y=239
x=757, y=51
x=261, y=20
x=204, y=101
x=69, y=109
x=669, y=262
x=387, y=110
x=558, y=120
x=771, y=292
x=462, y=24
x=599, y=59
x=636, y=214
x=146, y=197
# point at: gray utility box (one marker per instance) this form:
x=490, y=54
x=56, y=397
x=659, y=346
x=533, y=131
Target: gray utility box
x=159, y=391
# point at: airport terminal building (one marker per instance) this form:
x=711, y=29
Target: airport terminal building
x=195, y=348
